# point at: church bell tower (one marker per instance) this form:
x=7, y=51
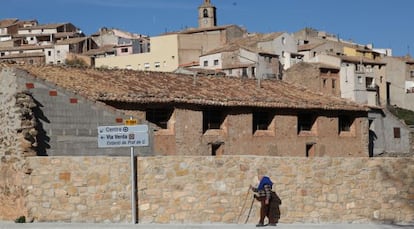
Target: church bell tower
x=207, y=15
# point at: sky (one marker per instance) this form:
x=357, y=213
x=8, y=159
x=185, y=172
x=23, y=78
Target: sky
x=383, y=23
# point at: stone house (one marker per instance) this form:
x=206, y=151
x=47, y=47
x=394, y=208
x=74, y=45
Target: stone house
x=190, y=115
x=317, y=76
x=171, y=51
x=124, y=43
x=237, y=61
x=361, y=80
x=48, y=43
x=400, y=81
x=9, y=27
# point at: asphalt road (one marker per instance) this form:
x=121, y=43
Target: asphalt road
x=11, y=225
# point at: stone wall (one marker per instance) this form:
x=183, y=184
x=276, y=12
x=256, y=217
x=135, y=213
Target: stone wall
x=192, y=189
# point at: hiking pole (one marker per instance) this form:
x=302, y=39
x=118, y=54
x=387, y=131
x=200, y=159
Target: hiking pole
x=244, y=204
x=250, y=210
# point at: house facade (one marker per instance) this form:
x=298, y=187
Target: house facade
x=44, y=44
x=400, y=82
x=124, y=43
x=319, y=77
x=170, y=51
x=194, y=116
x=282, y=44
x=241, y=62
x=361, y=80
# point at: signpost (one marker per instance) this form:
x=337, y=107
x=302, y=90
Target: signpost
x=129, y=135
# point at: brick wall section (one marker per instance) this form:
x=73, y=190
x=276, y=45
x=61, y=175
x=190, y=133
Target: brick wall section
x=192, y=189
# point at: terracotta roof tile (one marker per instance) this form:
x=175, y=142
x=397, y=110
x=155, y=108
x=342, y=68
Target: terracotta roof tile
x=149, y=87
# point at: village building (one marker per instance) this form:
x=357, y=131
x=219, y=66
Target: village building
x=44, y=44
x=400, y=81
x=362, y=80
x=190, y=115
x=170, y=51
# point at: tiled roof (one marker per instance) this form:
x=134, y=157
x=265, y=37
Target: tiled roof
x=45, y=26
x=101, y=50
x=307, y=47
x=23, y=55
x=26, y=47
x=248, y=43
x=154, y=87
x=199, y=30
x=359, y=59
x=69, y=41
x=4, y=23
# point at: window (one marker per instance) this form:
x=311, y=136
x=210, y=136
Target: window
x=212, y=119
x=2, y=54
x=49, y=53
x=159, y=117
x=261, y=120
x=412, y=74
x=244, y=72
x=369, y=83
x=333, y=83
x=216, y=62
x=324, y=83
x=205, y=13
x=397, y=132
x=306, y=122
x=146, y=66
x=124, y=50
x=345, y=123
x=157, y=64
x=283, y=40
x=205, y=63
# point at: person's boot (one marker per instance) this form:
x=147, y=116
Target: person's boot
x=260, y=225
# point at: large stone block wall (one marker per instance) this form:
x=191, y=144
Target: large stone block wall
x=196, y=189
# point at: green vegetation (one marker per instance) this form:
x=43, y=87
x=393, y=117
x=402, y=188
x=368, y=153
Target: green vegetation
x=404, y=114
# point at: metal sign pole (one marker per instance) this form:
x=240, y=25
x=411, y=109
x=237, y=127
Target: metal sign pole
x=133, y=201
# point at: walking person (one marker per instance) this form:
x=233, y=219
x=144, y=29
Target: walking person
x=264, y=195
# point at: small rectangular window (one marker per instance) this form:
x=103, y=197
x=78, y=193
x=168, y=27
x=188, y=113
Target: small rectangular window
x=345, y=123
x=397, y=132
x=124, y=50
x=306, y=122
x=49, y=53
x=159, y=117
x=216, y=62
x=212, y=119
x=205, y=63
x=157, y=64
x=412, y=74
x=146, y=65
x=261, y=120
x=244, y=72
x=333, y=83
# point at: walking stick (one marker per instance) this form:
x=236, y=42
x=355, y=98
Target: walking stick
x=244, y=204
x=250, y=210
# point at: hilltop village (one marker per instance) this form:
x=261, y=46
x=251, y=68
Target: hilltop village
x=327, y=119
x=214, y=90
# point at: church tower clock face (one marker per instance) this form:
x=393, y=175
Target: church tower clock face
x=206, y=15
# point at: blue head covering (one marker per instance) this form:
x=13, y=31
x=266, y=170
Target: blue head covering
x=265, y=180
